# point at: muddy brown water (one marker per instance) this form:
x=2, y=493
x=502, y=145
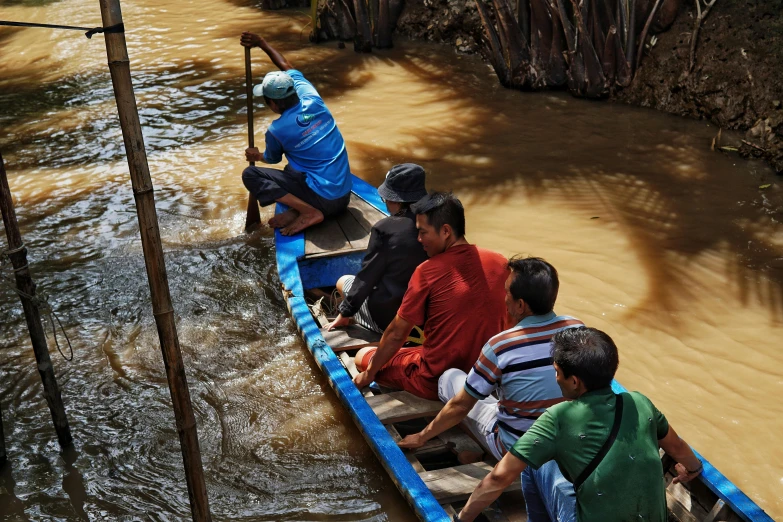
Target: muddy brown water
x=671, y=248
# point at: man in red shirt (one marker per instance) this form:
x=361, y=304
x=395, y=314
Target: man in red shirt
x=458, y=295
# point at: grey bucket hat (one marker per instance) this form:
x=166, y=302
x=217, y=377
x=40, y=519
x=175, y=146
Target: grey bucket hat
x=276, y=86
x=404, y=184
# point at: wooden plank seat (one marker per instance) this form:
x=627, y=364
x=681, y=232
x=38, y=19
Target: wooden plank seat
x=344, y=233
x=401, y=406
x=454, y=484
x=351, y=337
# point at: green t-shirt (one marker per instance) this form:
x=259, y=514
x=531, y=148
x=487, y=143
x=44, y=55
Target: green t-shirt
x=628, y=484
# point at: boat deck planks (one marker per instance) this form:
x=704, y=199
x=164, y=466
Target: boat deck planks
x=459, y=441
x=355, y=233
x=347, y=232
x=693, y=502
x=350, y=366
x=454, y=484
x=364, y=213
x=401, y=406
x=350, y=337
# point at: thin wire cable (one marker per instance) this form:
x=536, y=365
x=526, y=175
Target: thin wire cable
x=41, y=302
x=89, y=31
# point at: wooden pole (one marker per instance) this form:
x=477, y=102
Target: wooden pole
x=249, y=91
x=24, y=283
x=119, y=67
x=253, y=214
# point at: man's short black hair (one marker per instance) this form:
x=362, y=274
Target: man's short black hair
x=535, y=282
x=588, y=353
x=442, y=208
x=285, y=103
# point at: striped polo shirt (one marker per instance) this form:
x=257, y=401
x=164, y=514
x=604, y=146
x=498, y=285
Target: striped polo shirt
x=517, y=362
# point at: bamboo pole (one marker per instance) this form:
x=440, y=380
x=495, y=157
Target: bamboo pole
x=119, y=67
x=18, y=254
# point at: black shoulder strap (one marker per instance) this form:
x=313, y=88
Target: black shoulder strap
x=618, y=414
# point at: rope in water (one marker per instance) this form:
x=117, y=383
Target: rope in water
x=89, y=31
x=39, y=301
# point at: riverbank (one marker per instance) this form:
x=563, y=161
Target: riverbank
x=734, y=84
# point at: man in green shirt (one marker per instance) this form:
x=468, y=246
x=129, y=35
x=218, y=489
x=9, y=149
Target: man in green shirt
x=605, y=444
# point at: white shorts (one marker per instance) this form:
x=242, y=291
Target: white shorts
x=482, y=419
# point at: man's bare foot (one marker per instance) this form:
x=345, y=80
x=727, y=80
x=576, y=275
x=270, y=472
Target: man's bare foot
x=284, y=219
x=469, y=457
x=302, y=222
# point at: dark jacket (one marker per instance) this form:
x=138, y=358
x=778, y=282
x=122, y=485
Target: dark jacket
x=392, y=255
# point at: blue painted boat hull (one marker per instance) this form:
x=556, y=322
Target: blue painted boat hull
x=298, y=275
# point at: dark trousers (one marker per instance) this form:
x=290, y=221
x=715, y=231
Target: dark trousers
x=268, y=185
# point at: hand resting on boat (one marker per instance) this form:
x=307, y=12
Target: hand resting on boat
x=452, y=414
x=338, y=322
x=688, y=465
x=413, y=441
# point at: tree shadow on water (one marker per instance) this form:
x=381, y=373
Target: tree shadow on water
x=10, y=505
x=676, y=203
x=664, y=192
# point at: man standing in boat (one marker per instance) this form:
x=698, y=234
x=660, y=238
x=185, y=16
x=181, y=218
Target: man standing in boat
x=516, y=362
x=457, y=294
x=316, y=183
x=606, y=445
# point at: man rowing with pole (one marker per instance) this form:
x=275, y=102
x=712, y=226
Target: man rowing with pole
x=316, y=183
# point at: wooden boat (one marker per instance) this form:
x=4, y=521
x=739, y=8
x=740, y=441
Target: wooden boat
x=431, y=479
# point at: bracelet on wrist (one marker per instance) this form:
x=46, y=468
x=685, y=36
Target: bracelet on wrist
x=697, y=470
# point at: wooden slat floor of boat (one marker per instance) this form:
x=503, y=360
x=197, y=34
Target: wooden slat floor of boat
x=459, y=441
x=401, y=406
x=454, y=484
x=351, y=337
x=350, y=366
x=508, y=508
x=346, y=232
x=694, y=501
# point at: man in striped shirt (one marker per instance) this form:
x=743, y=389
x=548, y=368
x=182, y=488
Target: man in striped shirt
x=517, y=363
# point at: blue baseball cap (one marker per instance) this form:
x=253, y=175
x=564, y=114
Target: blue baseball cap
x=276, y=86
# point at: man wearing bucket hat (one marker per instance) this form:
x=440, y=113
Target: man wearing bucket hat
x=316, y=183
x=373, y=296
